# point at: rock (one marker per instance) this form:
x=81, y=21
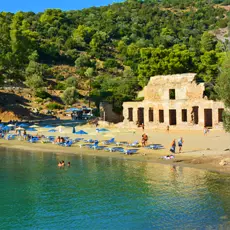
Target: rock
x=223, y=163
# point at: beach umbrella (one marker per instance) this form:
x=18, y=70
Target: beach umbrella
x=10, y=125
x=81, y=132
x=103, y=130
x=31, y=129
x=34, y=126
x=6, y=128
x=19, y=128
x=73, y=131
x=23, y=125
x=2, y=125
x=52, y=131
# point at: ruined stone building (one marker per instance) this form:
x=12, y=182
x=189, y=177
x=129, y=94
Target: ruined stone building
x=175, y=100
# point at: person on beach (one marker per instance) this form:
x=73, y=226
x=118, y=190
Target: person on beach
x=206, y=130
x=167, y=129
x=180, y=143
x=144, y=139
x=173, y=146
x=58, y=139
x=59, y=164
x=143, y=127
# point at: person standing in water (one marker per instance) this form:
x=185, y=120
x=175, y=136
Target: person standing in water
x=68, y=164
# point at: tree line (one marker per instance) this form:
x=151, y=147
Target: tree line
x=114, y=49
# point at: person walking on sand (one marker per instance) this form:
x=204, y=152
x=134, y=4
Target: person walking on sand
x=167, y=129
x=173, y=146
x=144, y=139
x=180, y=143
x=143, y=127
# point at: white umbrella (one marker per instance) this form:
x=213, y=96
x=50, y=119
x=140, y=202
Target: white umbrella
x=10, y=125
x=20, y=128
x=34, y=126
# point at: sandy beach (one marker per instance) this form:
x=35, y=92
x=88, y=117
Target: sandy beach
x=210, y=152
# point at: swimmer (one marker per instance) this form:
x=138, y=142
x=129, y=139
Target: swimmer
x=69, y=164
x=63, y=163
x=60, y=164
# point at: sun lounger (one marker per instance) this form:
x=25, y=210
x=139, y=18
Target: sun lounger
x=130, y=151
x=155, y=146
x=109, y=142
x=11, y=136
x=122, y=143
x=134, y=144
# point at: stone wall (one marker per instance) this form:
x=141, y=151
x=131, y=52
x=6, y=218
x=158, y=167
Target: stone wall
x=197, y=111
x=107, y=113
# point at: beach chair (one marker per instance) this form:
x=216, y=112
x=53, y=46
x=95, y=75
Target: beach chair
x=130, y=151
x=109, y=142
x=33, y=140
x=134, y=144
x=11, y=136
x=122, y=143
x=68, y=143
x=78, y=139
x=154, y=146
x=90, y=141
x=113, y=149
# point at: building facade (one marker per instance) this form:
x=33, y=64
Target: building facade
x=174, y=100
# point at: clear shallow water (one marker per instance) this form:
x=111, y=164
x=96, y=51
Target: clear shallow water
x=100, y=193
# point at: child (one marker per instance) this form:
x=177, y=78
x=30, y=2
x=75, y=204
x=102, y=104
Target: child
x=180, y=144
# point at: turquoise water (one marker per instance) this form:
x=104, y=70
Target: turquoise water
x=101, y=193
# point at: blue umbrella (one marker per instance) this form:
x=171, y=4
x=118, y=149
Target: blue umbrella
x=6, y=128
x=73, y=130
x=103, y=130
x=73, y=109
x=1, y=125
x=31, y=129
x=52, y=130
x=23, y=125
x=81, y=132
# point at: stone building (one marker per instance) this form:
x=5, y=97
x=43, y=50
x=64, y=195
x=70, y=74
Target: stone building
x=174, y=100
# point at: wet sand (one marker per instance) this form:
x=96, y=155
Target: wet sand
x=206, y=152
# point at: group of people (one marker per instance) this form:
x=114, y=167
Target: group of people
x=59, y=140
x=180, y=145
x=62, y=164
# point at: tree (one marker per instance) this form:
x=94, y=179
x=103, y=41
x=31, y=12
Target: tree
x=223, y=90
x=34, y=82
x=70, y=96
x=71, y=82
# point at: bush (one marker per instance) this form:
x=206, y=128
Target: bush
x=70, y=96
x=54, y=105
x=71, y=81
x=111, y=63
x=60, y=78
x=60, y=86
x=42, y=94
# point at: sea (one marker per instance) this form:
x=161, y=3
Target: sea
x=107, y=193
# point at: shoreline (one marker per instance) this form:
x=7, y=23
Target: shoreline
x=200, y=159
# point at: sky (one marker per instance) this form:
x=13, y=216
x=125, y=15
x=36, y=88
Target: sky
x=40, y=5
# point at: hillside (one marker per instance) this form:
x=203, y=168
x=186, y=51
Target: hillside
x=110, y=52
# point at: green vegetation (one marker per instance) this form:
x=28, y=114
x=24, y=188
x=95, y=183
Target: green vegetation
x=114, y=49
x=223, y=90
x=54, y=105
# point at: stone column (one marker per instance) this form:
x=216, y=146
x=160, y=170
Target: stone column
x=134, y=115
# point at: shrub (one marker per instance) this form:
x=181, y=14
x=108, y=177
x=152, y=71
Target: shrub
x=70, y=96
x=42, y=94
x=111, y=63
x=71, y=81
x=60, y=86
x=54, y=105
